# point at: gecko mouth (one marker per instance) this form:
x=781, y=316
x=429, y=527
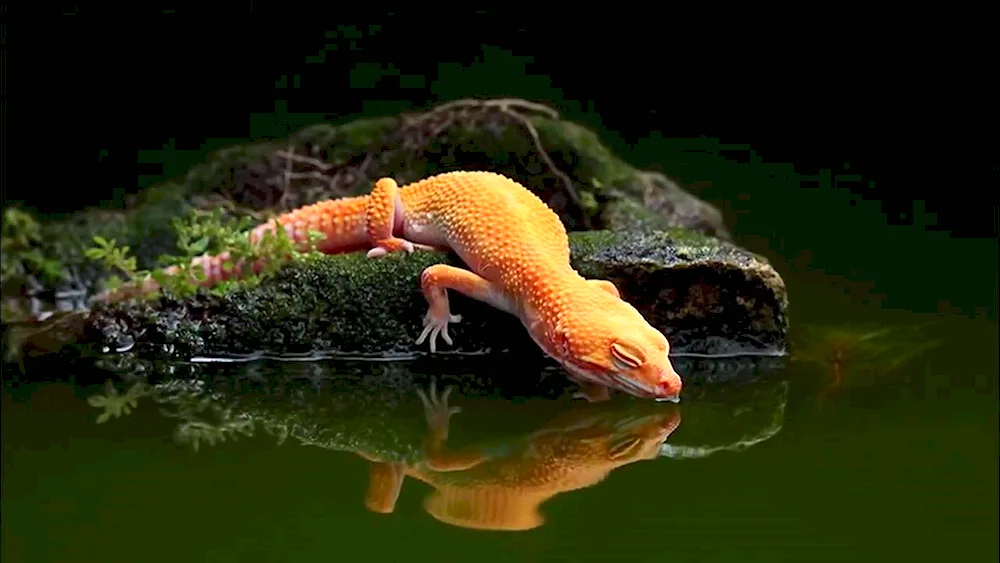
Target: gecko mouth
x=634, y=387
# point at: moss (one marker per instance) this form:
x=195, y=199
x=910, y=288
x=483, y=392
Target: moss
x=580, y=153
x=337, y=145
x=706, y=295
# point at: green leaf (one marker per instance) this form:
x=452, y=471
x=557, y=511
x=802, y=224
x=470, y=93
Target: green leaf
x=160, y=277
x=101, y=241
x=95, y=253
x=53, y=270
x=199, y=246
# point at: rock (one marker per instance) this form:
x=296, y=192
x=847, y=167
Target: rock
x=709, y=297
x=654, y=201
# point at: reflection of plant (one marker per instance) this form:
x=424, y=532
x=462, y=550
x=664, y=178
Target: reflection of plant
x=858, y=355
x=193, y=432
x=115, y=405
x=204, y=418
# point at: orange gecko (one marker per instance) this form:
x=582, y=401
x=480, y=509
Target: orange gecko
x=517, y=252
x=490, y=488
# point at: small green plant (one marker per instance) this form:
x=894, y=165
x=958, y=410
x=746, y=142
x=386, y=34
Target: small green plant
x=213, y=234
x=115, y=258
x=21, y=249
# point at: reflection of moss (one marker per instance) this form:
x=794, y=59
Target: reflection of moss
x=375, y=409
x=730, y=420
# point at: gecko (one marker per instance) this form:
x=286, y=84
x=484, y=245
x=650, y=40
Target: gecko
x=517, y=252
x=481, y=486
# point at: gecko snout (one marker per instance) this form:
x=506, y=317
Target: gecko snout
x=668, y=387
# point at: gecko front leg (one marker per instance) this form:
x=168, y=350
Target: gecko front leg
x=435, y=281
x=383, y=214
x=593, y=393
x=436, y=456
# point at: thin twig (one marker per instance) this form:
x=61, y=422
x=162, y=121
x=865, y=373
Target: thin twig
x=413, y=134
x=291, y=156
x=567, y=182
x=286, y=188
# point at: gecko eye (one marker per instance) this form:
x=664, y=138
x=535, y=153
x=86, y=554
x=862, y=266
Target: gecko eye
x=626, y=357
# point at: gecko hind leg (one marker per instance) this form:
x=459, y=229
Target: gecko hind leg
x=383, y=214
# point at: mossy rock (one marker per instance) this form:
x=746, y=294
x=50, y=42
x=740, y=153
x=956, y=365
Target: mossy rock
x=566, y=165
x=709, y=297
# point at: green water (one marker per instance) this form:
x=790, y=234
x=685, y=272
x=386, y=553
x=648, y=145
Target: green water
x=877, y=439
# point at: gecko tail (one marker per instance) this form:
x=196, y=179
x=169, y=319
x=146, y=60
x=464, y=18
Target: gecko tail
x=216, y=269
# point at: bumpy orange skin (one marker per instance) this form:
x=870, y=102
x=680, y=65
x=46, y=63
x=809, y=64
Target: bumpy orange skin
x=517, y=252
x=504, y=491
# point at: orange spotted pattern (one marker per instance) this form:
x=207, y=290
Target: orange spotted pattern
x=342, y=222
x=473, y=489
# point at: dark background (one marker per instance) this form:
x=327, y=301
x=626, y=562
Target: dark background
x=835, y=93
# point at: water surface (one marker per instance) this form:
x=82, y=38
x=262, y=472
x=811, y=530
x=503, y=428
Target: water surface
x=877, y=439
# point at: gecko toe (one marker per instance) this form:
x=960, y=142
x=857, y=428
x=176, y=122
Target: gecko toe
x=436, y=324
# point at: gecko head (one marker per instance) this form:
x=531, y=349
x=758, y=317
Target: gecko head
x=613, y=345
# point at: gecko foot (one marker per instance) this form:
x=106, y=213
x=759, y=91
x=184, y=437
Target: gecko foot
x=385, y=246
x=436, y=323
x=436, y=409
